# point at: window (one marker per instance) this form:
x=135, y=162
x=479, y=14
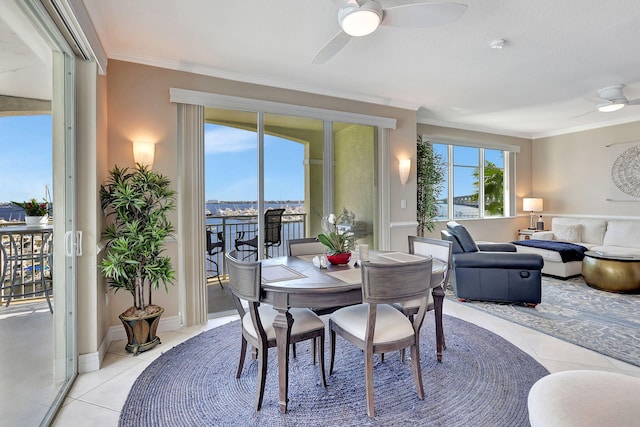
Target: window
x=476, y=180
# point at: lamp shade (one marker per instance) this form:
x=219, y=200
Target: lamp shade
x=532, y=204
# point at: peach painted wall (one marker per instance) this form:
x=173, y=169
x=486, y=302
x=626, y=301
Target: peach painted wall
x=139, y=107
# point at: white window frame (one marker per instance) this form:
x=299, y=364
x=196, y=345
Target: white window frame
x=510, y=152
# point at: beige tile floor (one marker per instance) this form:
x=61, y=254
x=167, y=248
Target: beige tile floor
x=97, y=397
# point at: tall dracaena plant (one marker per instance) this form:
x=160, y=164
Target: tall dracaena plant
x=136, y=204
x=430, y=170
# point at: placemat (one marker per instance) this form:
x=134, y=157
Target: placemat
x=400, y=257
x=279, y=273
x=351, y=276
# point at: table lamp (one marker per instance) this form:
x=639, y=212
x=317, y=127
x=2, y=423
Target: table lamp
x=532, y=204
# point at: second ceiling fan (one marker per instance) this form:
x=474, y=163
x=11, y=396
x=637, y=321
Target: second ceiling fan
x=362, y=17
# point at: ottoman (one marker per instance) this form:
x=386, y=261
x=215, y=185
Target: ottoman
x=585, y=399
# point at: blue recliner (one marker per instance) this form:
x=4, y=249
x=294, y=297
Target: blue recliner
x=492, y=271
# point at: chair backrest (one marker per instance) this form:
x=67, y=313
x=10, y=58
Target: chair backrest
x=384, y=283
x=305, y=246
x=244, y=278
x=245, y=281
x=467, y=244
x=4, y=264
x=273, y=226
x=439, y=249
x=211, y=245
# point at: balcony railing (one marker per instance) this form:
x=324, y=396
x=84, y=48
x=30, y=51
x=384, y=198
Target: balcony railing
x=25, y=263
x=293, y=227
x=26, y=253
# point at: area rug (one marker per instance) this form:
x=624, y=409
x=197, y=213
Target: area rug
x=483, y=380
x=605, y=322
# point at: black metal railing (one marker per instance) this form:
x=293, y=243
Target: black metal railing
x=25, y=263
x=233, y=226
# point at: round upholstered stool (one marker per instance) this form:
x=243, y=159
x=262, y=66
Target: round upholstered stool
x=585, y=399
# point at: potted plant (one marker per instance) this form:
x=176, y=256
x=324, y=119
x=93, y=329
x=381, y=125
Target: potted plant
x=136, y=204
x=430, y=170
x=338, y=241
x=35, y=213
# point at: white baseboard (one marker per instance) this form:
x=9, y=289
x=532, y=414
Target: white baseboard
x=90, y=362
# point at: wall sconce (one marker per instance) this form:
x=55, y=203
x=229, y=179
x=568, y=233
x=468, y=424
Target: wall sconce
x=404, y=169
x=144, y=152
x=532, y=204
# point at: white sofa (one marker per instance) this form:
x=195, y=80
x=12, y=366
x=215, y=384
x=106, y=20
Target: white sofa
x=608, y=236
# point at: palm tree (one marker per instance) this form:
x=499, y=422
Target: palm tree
x=493, y=188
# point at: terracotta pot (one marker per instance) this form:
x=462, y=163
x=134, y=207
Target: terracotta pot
x=141, y=331
x=339, y=259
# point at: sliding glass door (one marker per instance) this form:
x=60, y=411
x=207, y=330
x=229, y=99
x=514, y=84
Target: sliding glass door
x=39, y=354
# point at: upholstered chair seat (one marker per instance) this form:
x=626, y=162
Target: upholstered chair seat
x=303, y=320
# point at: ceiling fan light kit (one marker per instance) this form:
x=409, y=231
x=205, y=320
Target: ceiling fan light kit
x=610, y=107
x=360, y=20
x=362, y=17
x=612, y=99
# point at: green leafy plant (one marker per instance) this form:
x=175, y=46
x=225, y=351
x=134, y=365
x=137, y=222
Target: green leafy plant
x=136, y=203
x=431, y=173
x=337, y=240
x=493, y=188
x=33, y=208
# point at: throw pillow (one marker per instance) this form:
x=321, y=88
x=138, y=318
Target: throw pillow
x=568, y=233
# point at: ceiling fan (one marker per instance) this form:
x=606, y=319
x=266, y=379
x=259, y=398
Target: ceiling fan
x=611, y=99
x=362, y=17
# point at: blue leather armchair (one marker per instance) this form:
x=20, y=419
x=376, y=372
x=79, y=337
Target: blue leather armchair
x=492, y=271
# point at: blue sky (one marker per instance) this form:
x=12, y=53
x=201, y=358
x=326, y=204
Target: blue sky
x=231, y=165
x=230, y=162
x=26, y=159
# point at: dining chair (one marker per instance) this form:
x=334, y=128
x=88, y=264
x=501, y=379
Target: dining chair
x=438, y=249
x=375, y=326
x=305, y=246
x=213, y=249
x=257, y=321
x=272, y=235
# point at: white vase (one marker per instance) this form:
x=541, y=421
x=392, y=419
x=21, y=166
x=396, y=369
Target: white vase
x=36, y=221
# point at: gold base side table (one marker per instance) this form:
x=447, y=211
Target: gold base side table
x=612, y=272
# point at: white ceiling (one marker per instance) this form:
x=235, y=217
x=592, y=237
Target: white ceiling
x=558, y=54
x=25, y=58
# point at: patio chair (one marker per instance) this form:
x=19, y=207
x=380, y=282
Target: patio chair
x=272, y=235
x=257, y=322
x=213, y=249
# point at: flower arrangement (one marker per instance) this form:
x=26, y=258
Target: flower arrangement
x=336, y=240
x=33, y=208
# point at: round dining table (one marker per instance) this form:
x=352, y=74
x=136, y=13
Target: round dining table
x=295, y=281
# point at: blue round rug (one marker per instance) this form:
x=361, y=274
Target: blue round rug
x=483, y=380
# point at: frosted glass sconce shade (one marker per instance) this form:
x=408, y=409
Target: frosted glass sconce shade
x=404, y=169
x=144, y=152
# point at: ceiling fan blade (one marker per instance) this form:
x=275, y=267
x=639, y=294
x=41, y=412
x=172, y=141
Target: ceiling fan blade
x=332, y=47
x=633, y=102
x=343, y=3
x=420, y=15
